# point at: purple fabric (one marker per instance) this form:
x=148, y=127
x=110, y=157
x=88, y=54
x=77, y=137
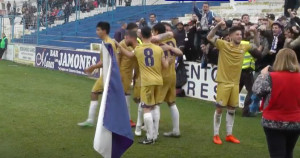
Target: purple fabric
x=116, y=118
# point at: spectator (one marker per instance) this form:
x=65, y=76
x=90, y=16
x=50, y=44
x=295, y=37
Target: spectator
x=271, y=17
x=246, y=20
x=294, y=19
x=54, y=12
x=102, y=3
x=27, y=20
x=15, y=7
x=3, y=45
x=119, y=34
x=174, y=22
x=205, y=17
x=60, y=14
x=293, y=40
x=290, y=4
x=281, y=114
x=284, y=21
x=152, y=21
x=120, y=2
x=189, y=47
x=236, y=22
x=67, y=12
x=95, y=3
x=142, y=23
x=128, y=2
x=276, y=39
x=8, y=7
x=179, y=34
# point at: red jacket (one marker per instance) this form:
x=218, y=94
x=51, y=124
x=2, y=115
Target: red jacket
x=284, y=103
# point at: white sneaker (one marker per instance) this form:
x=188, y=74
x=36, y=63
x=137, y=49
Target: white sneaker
x=138, y=131
x=172, y=134
x=86, y=124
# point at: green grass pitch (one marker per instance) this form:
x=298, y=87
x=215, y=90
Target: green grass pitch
x=40, y=109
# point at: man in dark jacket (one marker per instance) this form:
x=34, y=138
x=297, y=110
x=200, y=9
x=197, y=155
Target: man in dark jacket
x=119, y=34
x=67, y=12
x=179, y=34
x=276, y=41
x=8, y=7
x=3, y=45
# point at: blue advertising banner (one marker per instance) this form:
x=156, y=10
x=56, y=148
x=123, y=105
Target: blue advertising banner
x=66, y=60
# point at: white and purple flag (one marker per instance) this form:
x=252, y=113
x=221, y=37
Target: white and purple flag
x=113, y=133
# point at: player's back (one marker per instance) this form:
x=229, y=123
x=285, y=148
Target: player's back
x=149, y=58
x=170, y=71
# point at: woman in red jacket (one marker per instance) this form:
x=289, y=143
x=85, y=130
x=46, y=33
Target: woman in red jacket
x=281, y=92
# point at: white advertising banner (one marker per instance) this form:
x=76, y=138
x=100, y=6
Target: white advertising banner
x=202, y=83
x=24, y=54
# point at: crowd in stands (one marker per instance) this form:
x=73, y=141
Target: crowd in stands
x=52, y=10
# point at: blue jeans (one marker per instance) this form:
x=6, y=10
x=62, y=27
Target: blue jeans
x=254, y=106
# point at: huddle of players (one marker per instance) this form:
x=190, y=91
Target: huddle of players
x=151, y=53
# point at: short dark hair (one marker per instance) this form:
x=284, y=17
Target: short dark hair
x=234, y=29
x=131, y=26
x=160, y=28
x=244, y=15
x=131, y=34
x=146, y=32
x=166, y=24
x=104, y=26
x=152, y=14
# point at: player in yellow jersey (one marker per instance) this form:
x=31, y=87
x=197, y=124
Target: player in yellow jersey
x=102, y=31
x=231, y=55
x=168, y=90
x=151, y=61
x=127, y=66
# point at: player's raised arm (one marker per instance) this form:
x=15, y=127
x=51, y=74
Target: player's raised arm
x=176, y=51
x=212, y=33
x=124, y=51
x=161, y=37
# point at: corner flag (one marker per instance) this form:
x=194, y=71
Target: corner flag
x=113, y=133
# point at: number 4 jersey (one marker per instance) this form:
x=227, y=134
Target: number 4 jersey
x=149, y=58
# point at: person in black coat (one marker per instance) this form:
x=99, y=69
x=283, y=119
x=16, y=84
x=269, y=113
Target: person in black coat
x=189, y=47
x=276, y=41
x=290, y=4
x=67, y=12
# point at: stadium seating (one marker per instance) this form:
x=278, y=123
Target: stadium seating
x=79, y=35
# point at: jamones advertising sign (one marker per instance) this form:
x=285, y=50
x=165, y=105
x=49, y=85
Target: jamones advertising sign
x=66, y=60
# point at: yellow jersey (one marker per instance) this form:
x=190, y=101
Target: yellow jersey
x=230, y=61
x=108, y=40
x=170, y=71
x=126, y=64
x=149, y=58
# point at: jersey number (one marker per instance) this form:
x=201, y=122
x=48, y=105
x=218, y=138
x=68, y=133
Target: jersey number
x=149, y=60
x=170, y=43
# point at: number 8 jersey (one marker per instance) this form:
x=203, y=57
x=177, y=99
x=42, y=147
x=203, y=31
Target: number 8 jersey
x=149, y=59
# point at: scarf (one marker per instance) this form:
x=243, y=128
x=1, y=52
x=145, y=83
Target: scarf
x=204, y=22
x=275, y=43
